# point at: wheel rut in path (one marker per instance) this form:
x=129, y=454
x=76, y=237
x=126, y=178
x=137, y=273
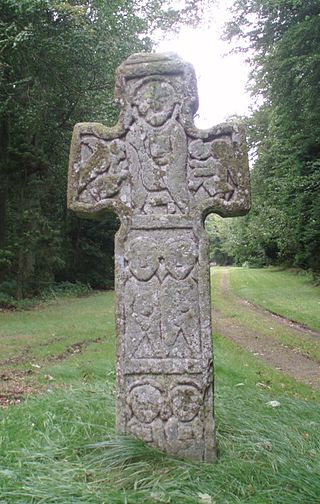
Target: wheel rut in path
x=290, y=361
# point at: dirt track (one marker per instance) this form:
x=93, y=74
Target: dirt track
x=289, y=361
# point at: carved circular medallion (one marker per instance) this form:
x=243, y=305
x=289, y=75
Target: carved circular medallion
x=186, y=401
x=145, y=402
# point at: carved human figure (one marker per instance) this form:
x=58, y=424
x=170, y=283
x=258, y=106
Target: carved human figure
x=143, y=332
x=204, y=168
x=159, y=153
x=145, y=402
x=208, y=177
x=103, y=168
x=180, y=317
x=184, y=429
x=142, y=257
x=180, y=256
x=180, y=300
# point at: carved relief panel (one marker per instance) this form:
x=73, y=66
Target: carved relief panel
x=168, y=412
x=161, y=299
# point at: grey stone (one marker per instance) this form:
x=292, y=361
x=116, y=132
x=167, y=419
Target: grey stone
x=162, y=176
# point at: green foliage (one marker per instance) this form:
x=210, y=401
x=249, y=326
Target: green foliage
x=90, y=252
x=53, y=292
x=282, y=37
x=57, y=67
x=65, y=289
x=218, y=230
x=7, y=301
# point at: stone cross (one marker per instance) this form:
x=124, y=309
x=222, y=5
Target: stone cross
x=162, y=176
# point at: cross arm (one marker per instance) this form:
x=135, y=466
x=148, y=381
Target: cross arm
x=218, y=170
x=98, y=170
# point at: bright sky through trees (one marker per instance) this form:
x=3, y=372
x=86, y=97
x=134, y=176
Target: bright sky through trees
x=221, y=76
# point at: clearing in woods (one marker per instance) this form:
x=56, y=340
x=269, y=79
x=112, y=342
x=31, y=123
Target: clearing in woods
x=34, y=342
x=286, y=344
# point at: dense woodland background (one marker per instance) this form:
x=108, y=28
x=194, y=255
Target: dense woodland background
x=57, y=65
x=282, y=40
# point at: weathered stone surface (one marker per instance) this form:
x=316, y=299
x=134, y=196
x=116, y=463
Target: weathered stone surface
x=162, y=176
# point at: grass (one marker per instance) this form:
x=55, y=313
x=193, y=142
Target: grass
x=266, y=454
x=50, y=330
x=229, y=304
x=60, y=447
x=289, y=294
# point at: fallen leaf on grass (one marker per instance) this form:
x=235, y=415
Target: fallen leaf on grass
x=265, y=445
x=7, y=473
x=273, y=404
x=48, y=377
x=160, y=497
x=205, y=498
x=262, y=385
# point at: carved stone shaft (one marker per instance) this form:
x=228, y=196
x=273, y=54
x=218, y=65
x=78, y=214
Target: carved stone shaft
x=162, y=176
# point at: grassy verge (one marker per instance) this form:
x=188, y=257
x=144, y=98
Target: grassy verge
x=228, y=303
x=267, y=455
x=51, y=330
x=287, y=293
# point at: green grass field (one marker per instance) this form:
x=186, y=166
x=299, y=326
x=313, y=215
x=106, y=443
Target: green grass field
x=266, y=454
x=246, y=284
x=289, y=294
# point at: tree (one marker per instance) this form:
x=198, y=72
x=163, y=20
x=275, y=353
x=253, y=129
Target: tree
x=57, y=66
x=218, y=230
x=282, y=38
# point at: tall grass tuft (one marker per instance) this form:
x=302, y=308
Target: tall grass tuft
x=67, y=452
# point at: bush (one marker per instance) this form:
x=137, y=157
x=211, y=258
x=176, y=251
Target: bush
x=55, y=291
x=7, y=302
x=65, y=289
